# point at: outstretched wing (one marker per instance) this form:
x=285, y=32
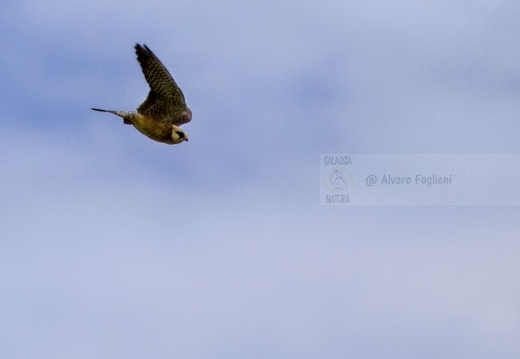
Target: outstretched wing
x=165, y=101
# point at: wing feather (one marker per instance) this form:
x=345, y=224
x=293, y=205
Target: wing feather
x=165, y=101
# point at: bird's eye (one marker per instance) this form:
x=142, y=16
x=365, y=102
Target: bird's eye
x=181, y=134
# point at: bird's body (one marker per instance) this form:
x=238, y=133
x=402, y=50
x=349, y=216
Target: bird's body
x=164, y=110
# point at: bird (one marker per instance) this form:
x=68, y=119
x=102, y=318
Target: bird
x=164, y=109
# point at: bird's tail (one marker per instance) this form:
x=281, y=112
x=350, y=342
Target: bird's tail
x=126, y=115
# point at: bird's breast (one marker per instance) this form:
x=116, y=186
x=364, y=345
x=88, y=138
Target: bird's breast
x=156, y=130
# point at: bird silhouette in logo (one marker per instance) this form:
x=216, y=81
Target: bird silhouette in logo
x=338, y=181
x=164, y=110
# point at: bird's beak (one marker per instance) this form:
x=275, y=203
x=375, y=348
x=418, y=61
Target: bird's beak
x=186, y=140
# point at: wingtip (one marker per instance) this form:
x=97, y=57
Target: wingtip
x=143, y=49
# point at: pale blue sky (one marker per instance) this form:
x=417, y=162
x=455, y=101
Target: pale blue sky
x=114, y=246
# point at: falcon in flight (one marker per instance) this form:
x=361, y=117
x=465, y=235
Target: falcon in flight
x=164, y=110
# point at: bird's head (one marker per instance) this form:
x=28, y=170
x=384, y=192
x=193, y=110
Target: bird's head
x=178, y=135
